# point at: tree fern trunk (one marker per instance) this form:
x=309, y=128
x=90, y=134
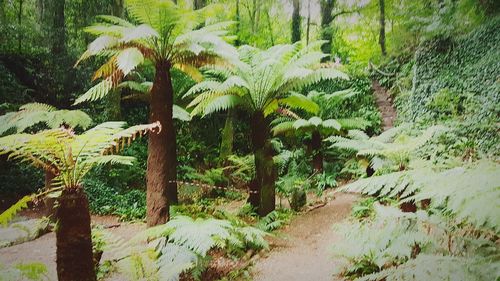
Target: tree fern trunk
x=262, y=187
x=317, y=153
x=73, y=238
x=326, y=28
x=162, y=158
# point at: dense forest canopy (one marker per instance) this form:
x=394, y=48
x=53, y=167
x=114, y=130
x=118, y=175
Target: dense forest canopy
x=172, y=139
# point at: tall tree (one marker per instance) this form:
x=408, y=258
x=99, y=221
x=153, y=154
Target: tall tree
x=58, y=30
x=261, y=83
x=198, y=4
x=381, y=39
x=296, y=21
x=167, y=38
x=326, y=26
x=70, y=157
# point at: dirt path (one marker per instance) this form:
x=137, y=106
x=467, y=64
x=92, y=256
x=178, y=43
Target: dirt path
x=43, y=249
x=385, y=106
x=304, y=251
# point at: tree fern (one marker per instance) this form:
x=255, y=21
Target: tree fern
x=126, y=45
x=264, y=79
x=70, y=156
x=34, y=113
x=464, y=191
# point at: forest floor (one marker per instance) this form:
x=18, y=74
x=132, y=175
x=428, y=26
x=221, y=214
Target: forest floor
x=302, y=250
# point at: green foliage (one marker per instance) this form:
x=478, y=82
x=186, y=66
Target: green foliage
x=454, y=79
x=408, y=246
x=262, y=80
x=34, y=113
x=184, y=245
x=8, y=214
x=392, y=145
x=105, y=200
x=192, y=40
x=480, y=180
x=24, y=271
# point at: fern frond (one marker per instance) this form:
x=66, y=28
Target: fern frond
x=9, y=214
x=96, y=92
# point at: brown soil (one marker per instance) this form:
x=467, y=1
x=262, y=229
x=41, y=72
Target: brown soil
x=303, y=252
x=384, y=103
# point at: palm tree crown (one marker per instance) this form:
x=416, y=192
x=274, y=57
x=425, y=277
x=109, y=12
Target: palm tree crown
x=166, y=34
x=264, y=80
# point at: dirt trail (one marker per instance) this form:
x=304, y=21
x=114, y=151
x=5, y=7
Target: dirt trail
x=385, y=106
x=304, y=252
x=43, y=249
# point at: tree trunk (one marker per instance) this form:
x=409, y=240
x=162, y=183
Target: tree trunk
x=237, y=42
x=162, y=159
x=73, y=238
x=381, y=39
x=118, y=8
x=262, y=187
x=198, y=4
x=226, y=146
x=48, y=201
x=326, y=28
x=317, y=152
x=19, y=21
x=58, y=31
x=113, y=105
x=308, y=26
x=296, y=21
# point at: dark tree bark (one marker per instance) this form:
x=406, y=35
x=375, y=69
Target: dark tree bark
x=237, y=42
x=262, y=187
x=19, y=21
x=118, y=8
x=58, y=31
x=381, y=39
x=198, y=4
x=73, y=237
x=296, y=21
x=317, y=152
x=326, y=28
x=308, y=26
x=162, y=155
x=226, y=146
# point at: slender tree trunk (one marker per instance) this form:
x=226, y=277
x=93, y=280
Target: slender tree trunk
x=118, y=8
x=226, y=146
x=381, y=39
x=326, y=28
x=19, y=21
x=296, y=21
x=262, y=187
x=73, y=238
x=270, y=28
x=162, y=159
x=198, y=4
x=308, y=27
x=237, y=42
x=317, y=152
x=49, y=202
x=58, y=32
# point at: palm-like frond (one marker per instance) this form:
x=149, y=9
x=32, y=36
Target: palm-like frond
x=71, y=156
x=35, y=113
x=463, y=191
x=166, y=33
x=265, y=79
